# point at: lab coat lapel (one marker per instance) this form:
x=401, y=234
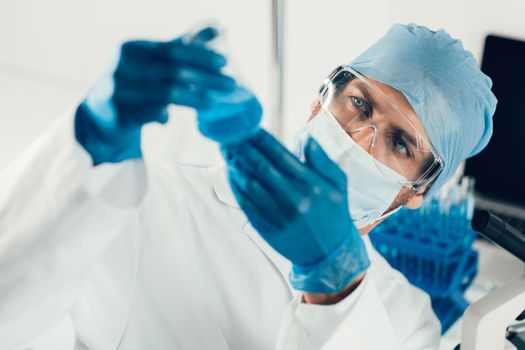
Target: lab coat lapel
x=282, y=265
x=221, y=186
x=224, y=193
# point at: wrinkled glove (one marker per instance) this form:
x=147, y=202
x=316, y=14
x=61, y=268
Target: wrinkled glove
x=148, y=77
x=300, y=209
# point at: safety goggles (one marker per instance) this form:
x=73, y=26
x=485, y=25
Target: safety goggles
x=376, y=124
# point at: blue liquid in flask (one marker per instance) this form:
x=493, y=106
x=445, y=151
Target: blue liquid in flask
x=233, y=117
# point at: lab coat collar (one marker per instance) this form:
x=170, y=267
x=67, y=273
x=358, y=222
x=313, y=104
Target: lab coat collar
x=224, y=193
x=221, y=186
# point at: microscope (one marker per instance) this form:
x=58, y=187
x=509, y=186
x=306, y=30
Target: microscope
x=492, y=323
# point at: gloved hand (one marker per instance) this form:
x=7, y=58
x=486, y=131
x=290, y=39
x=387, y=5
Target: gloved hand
x=148, y=76
x=300, y=209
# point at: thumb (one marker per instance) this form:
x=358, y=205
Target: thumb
x=318, y=160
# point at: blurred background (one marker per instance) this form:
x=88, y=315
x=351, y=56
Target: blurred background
x=51, y=51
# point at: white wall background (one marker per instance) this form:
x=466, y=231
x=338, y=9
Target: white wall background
x=52, y=50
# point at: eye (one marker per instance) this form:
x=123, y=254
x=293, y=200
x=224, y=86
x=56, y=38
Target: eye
x=358, y=102
x=362, y=105
x=400, y=146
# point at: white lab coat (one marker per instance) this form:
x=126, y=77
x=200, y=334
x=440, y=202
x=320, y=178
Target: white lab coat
x=161, y=257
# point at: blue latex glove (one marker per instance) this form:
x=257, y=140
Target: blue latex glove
x=148, y=77
x=300, y=209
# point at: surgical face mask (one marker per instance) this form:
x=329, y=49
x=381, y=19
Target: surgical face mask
x=372, y=186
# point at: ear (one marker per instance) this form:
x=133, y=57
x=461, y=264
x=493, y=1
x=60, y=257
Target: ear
x=416, y=200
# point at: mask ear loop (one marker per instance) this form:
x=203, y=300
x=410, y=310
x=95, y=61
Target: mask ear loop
x=384, y=216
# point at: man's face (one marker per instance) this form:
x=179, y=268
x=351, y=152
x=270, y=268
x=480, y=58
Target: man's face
x=410, y=169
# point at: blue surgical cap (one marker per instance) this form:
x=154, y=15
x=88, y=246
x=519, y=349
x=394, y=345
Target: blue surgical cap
x=442, y=82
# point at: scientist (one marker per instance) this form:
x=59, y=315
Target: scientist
x=136, y=255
